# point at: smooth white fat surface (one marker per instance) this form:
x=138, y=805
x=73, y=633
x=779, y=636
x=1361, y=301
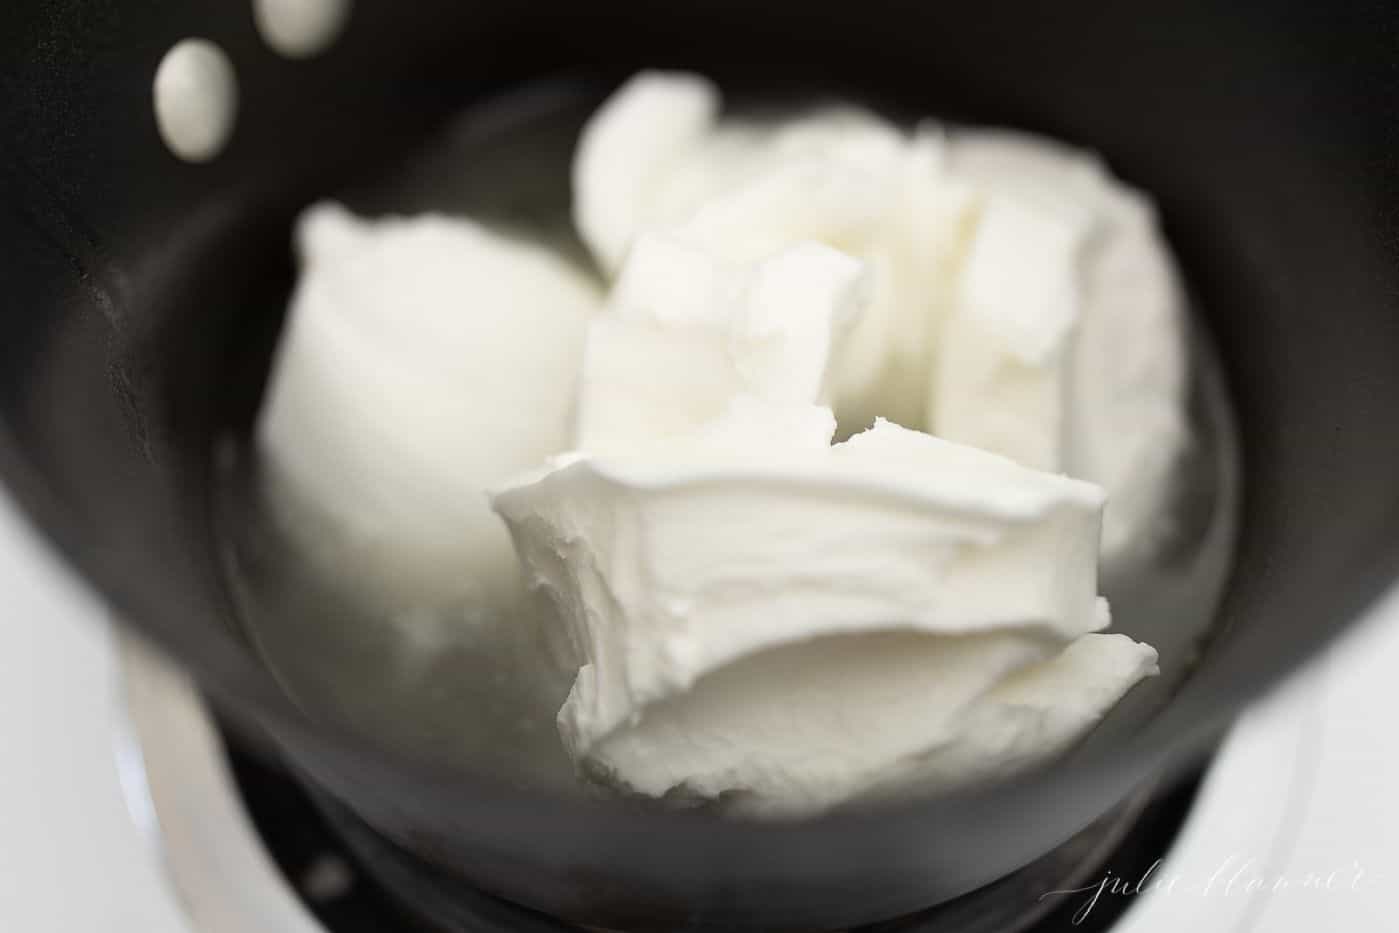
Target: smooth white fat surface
x=695, y=577
x=1021, y=298
x=423, y=360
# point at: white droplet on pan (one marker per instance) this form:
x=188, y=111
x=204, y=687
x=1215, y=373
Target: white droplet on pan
x=196, y=99
x=300, y=28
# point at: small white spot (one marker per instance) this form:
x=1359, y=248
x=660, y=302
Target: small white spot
x=300, y=28
x=328, y=878
x=196, y=99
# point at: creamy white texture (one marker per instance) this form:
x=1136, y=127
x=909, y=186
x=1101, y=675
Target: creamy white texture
x=931, y=714
x=623, y=148
x=686, y=331
x=672, y=564
x=196, y=99
x=412, y=348
x=761, y=616
x=845, y=179
x=1125, y=378
x=812, y=724
x=1033, y=714
x=1003, y=354
x=837, y=175
x=1022, y=299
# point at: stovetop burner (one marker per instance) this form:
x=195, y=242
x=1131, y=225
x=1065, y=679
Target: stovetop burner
x=324, y=864
x=249, y=849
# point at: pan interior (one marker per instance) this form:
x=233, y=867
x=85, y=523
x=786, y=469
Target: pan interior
x=439, y=685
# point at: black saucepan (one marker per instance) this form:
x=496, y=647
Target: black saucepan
x=141, y=298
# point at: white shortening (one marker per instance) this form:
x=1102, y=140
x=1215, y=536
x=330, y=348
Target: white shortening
x=423, y=360
x=767, y=619
x=1022, y=299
